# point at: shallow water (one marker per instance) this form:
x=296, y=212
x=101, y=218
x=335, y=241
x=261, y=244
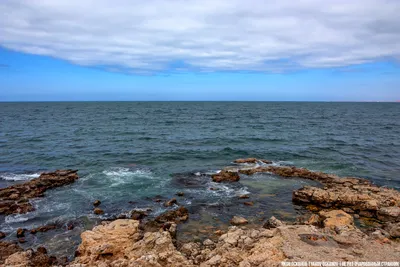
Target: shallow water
x=128, y=153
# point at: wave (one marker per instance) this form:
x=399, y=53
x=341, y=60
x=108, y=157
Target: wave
x=18, y=177
x=123, y=175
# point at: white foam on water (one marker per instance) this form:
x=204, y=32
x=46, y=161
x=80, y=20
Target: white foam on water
x=122, y=175
x=17, y=218
x=18, y=177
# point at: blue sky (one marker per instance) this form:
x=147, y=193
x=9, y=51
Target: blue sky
x=213, y=50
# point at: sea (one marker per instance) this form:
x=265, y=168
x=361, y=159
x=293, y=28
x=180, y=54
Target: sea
x=130, y=154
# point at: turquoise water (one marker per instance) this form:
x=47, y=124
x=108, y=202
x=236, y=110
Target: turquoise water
x=128, y=153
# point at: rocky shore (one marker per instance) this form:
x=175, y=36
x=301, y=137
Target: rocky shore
x=328, y=231
x=15, y=199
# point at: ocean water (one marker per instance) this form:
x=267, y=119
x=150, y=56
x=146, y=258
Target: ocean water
x=129, y=153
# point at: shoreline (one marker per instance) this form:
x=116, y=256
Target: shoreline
x=330, y=223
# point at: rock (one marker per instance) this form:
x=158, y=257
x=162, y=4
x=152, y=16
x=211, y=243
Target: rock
x=225, y=176
x=98, y=211
x=120, y=243
x=42, y=250
x=337, y=218
x=250, y=203
x=2, y=235
x=138, y=214
x=21, y=240
x=237, y=220
x=170, y=202
x=15, y=199
x=272, y=223
x=42, y=229
x=218, y=232
x=314, y=220
x=21, y=232
x=394, y=230
x=243, y=196
x=208, y=242
x=390, y=214
x=31, y=258
x=181, y=214
x=70, y=226
x=180, y=194
x=96, y=203
x=7, y=249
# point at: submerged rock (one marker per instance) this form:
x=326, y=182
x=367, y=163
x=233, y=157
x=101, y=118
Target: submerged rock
x=15, y=199
x=98, y=211
x=44, y=228
x=252, y=160
x=225, y=176
x=96, y=203
x=21, y=232
x=170, y=202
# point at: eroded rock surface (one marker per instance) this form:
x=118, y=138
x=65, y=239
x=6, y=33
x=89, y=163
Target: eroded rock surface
x=15, y=199
x=225, y=176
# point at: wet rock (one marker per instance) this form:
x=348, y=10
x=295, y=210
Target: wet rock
x=21, y=232
x=98, y=211
x=70, y=226
x=15, y=199
x=7, y=249
x=237, y=220
x=243, y=197
x=170, y=202
x=250, y=203
x=225, y=176
x=96, y=203
x=138, y=214
x=42, y=229
x=181, y=214
x=180, y=194
x=42, y=250
x=272, y=223
x=2, y=235
x=21, y=240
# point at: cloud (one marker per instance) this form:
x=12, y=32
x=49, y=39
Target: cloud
x=205, y=36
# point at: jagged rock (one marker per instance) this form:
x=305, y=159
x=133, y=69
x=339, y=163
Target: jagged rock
x=237, y=220
x=15, y=199
x=98, y=211
x=181, y=214
x=30, y=258
x=138, y=214
x=120, y=243
x=7, y=249
x=394, y=230
x=96, y=203
x=272, y=223
x=170, y=202
x=225, y=176
x=337, y=219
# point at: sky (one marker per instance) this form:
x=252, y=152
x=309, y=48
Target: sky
x=162, y=50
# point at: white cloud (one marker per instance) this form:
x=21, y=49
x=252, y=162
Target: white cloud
x=204, y=35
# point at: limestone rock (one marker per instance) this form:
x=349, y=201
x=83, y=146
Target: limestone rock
x=337, y=219
x=272, y=223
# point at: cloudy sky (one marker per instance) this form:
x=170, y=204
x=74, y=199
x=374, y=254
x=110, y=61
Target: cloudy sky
x=200, y=50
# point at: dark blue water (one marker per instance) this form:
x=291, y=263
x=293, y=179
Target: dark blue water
x=129, y=152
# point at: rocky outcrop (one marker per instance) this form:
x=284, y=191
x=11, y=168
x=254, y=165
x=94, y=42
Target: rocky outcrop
x=121, y=243
x=178, y=215
x=225, y=176
x=7, y=249
x=364, y=199
x=15, y=199
x=30, y=258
